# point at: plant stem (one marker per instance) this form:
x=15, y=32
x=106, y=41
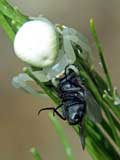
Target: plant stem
x=42, y=85
x=110, y=140
x=100, y=51
x=62, y=136
x=12, y=13
x=7, y=28
x=35, y=154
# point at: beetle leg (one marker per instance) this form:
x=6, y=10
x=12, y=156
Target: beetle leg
x=54, y=110
x=61, y=116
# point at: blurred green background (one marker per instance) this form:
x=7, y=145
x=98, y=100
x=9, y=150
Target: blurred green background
x=20, y=127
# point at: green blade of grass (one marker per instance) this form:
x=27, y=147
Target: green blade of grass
x=99, y=99
x=13, y=13
x=35, y=154
x=62, y=137
x=105, y=134
x=112, y=107
x=107, y=127
x=100, y=51
x=94, y=143
x=90, y=75
x=113, y=128
x=7, y=28
x=91, y=150
x=101, y=145
x=48, y=91
x=115, y=119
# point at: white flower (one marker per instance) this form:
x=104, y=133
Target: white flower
x=36, y=43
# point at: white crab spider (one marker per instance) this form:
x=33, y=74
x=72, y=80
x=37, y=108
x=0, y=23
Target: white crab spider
x=36, y=43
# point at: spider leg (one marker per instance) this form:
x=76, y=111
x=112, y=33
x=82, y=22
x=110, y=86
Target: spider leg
x=71, y=67
x=54, y=110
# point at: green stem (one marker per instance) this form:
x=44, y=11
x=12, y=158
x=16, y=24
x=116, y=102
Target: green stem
x=42, y=85
x=7, y=28
x=91, y=150
x=100, y=51
x=101, y=141
x=113, y=107
x=95, y=143
x=113, y=128
x=96, y=94
x=12, y=13
x=35, y=154
x=110, y=140
x=62, y=136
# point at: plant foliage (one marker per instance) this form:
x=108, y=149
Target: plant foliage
x=102, y=140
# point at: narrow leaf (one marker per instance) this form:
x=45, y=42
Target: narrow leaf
x=35, y=154
x=100, y=52
x=6, y=26
x=62, y=137
x=12, y=12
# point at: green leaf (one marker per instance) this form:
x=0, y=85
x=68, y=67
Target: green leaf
x=13, y=13
x=100, y=144
x=62, y=137
x=6, y=26
x=100, y=52
x=113, y=128
x=35, y=154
